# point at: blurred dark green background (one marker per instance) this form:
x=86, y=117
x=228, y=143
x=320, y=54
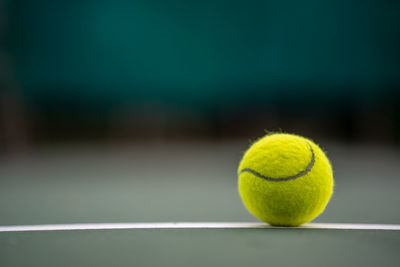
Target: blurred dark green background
x=140, y=111
x=166, y=70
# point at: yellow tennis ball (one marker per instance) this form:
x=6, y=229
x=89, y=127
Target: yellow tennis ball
x=285, y=179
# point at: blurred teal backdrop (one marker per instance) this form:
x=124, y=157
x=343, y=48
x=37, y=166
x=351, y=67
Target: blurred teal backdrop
x=212, y=57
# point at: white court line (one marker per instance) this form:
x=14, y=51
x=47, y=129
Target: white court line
x=191, y=225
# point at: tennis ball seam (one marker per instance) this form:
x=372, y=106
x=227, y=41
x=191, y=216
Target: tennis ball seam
x=288, y=178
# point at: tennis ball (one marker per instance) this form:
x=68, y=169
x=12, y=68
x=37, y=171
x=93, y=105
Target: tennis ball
x=285, y=179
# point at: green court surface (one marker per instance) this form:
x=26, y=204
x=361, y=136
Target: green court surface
x=186, y=182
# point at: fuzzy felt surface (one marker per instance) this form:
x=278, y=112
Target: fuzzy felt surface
x=285, y=202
